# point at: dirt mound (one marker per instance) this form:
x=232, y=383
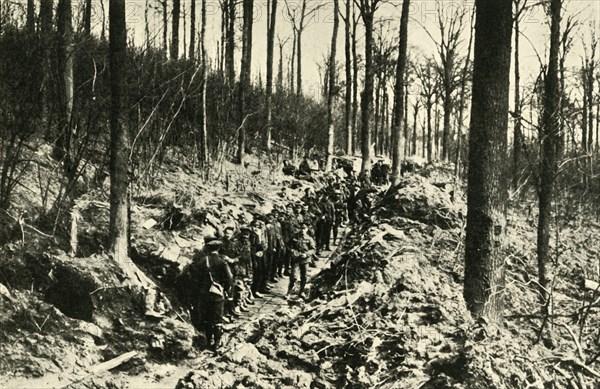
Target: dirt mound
x=417, y=198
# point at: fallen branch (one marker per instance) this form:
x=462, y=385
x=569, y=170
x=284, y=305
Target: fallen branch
x=577, y=344
x=27, y=225
x=104, y=366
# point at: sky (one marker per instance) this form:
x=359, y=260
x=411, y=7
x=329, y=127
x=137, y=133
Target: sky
x=317, y=36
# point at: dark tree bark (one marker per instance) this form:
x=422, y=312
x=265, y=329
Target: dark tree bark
x=399, y=98
x=230, y=42
x=348, y=67
x=64, y=143
x=87, y=17
x=165, y=23
x=354, y=82
x=293, y=62
x=203, y=135
x=280, y=68
x=487, y=183
x=119, y=136
x=367, y=9
x=175, y=12
x=30, y=21
x=271, y=24
x=331, y=90
x=405, y=124
x=549, y=148
x=416, y=108
x=245, y=70
x=45, y=17
x=192, y=50
x=517, y=126
x=367, y=94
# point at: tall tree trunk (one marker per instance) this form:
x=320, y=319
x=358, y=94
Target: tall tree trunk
x=147, y=25
x=331, y=90
x=414, y=137
x=437, y=131
x=293, y=63
x=348, y=103
x=405, y=129
x=203, y=136
x=447, y=102
x=87, y=17
x=271, y=23
x=517, y=126
x=30, y=22
x=377, y=110
x=367, y=96
x=165, y=23
x=119, y=136
x=64, y=143
x=45, y=17
x=299, y=50
x=354, y=85
x=590, y=101
x=549, y=148
x=230, y=43
x=429, y=140
x=245, y=70
x=487, y=189
x=280, y=69
x=192, y=49
x=175, y=29
x=584, y=118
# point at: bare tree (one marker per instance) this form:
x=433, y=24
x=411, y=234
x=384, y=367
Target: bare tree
x=429, y=82
x=119, y=136
x=301, y=18
x=192, y=50
x=549, y=149
x=245, y=70
x=367, y=8
x=399, y=98
x=450, y=27
x=331, y=90
x=348, y=68
x=203, y=136
x=487, y=185
x=64, y=144
x=30, y=16
x=175, y=12
x=271, y=23
x=230, y=17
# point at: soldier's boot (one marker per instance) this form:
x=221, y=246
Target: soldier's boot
x=218, y=331
x=208, y=331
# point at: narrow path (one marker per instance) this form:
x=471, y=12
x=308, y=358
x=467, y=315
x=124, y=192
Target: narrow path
x=276, y=298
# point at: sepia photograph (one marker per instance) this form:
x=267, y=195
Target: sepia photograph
x=299, y=194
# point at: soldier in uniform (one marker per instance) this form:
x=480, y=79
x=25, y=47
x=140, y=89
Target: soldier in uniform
x=231, y=251
x=301, y=246
x=213, y=278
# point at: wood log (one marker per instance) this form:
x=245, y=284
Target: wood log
x=104, y=366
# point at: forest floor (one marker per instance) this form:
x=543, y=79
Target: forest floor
x=385, y=309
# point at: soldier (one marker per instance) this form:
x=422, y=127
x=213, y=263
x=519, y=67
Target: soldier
x=327, y=218
x=213, y=278
x=257, y=242
x=231, y=250
x=301, y=246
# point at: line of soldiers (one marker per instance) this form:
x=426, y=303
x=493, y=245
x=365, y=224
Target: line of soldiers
x=239, y=264
x=244, y=261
